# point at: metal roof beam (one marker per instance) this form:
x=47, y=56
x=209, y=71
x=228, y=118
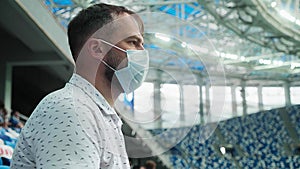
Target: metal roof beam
x=140, y=3
x=252, y=58
x=272, y=66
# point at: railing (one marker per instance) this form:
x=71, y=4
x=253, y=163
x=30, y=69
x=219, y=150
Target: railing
x=142, y=133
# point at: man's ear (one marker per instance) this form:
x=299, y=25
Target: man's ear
x=95, y=48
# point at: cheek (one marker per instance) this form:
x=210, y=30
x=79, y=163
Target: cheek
x=120, y=59
x=123, y=61
x=116, y=59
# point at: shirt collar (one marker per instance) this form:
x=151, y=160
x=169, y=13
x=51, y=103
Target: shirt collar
x=92, y=92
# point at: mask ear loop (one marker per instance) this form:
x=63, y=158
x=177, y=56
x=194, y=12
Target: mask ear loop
x=108, y=66
x=119, y=49
x=113, y=45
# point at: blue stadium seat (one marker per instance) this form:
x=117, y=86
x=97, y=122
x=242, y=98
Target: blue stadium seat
x=4, y=167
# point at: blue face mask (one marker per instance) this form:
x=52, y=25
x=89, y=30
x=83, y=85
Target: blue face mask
x=132, y=76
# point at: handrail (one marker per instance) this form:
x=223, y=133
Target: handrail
x=142, y=133
x=22, y=116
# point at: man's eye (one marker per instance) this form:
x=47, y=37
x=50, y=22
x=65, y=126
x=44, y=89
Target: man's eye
x=132, y=42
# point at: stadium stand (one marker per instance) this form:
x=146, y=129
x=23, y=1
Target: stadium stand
x=8, y=140
x=261, y=137
x=262, y=126
x=270, y=162
x=293, y=112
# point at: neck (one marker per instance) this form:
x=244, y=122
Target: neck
x=102, y=85
x=106, y=88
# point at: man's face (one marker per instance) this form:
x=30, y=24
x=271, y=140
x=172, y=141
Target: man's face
x=126, y=35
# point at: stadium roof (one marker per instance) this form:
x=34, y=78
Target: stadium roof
x=250, y=39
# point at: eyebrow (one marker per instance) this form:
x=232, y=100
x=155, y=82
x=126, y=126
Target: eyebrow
x=136, y=37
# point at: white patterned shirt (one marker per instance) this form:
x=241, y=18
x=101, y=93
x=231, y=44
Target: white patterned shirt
x=73, y=127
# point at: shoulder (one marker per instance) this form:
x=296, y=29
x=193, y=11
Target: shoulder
x=62, y=110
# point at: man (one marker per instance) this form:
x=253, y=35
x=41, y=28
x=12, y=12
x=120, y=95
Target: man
x=76, y=127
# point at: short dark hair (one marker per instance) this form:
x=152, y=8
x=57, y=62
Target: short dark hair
x=88, y=21
x=150, y=164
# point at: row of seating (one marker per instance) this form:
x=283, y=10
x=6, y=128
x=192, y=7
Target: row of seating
x=243, y=162
x=270, y=162
x=8, y=140
x=261, y=138
x=259, y=134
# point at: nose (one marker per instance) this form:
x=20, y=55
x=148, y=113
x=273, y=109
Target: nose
x=141, y=47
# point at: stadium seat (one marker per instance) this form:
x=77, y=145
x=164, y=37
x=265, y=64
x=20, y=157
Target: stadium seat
x=4, y=167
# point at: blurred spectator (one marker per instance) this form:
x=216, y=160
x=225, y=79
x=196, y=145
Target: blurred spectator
x=3, y=115
x=15, y=120
x=150, y=164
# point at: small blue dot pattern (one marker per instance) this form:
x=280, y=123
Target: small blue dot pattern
x=72, y=128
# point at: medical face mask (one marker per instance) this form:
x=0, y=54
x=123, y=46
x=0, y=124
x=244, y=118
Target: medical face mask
x=132, y=76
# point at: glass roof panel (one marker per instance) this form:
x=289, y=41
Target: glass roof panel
x=59, y=2
x=64, y=10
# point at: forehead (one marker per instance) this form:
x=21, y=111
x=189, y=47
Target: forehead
x=122, y=27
